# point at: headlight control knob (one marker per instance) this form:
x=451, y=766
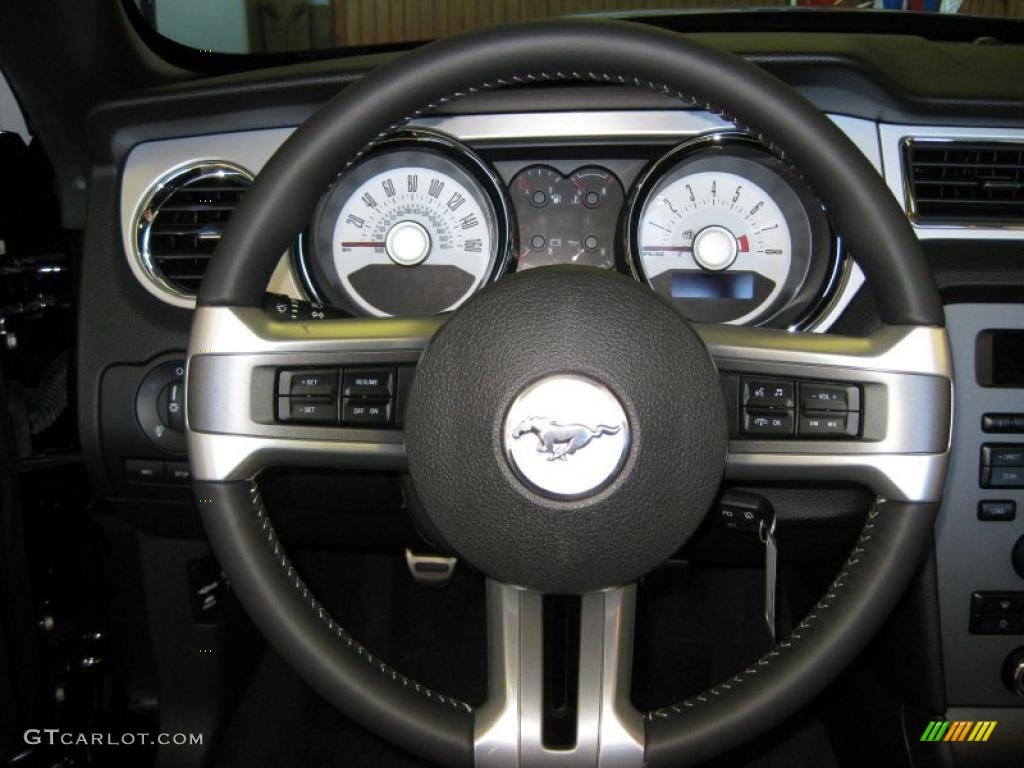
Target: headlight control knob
x=1013, y=672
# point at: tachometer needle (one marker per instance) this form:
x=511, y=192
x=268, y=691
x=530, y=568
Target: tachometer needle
x=680, y=248
x=361, y=244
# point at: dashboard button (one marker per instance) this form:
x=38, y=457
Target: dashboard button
x=369, y=382
x=997, y=511
x=768, y=393
x=308, y=383
x=307, y=410
x=829, y=397
x=1002, y=455
x=359, y=412
x=776, y=423
x=179, y=471
x=996, y=625
x=1002, y=477
x=997, y=422
x=997, y=603
x=144, y=470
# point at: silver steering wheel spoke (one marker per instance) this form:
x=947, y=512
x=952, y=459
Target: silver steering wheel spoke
x=903, y=374
x=904, y=378
x=508, y=729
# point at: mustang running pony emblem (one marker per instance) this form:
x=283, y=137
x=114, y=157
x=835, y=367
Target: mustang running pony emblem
x=560, y=440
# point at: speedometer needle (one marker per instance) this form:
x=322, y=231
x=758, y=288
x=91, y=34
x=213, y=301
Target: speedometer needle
x=681, y=248
x=361, y=244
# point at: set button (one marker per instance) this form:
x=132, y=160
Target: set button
x=309, y=383
x=307, y=409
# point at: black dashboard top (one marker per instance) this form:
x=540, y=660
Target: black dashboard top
x=890, y=78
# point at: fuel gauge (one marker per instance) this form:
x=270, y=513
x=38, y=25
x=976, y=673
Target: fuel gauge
x=566, y=220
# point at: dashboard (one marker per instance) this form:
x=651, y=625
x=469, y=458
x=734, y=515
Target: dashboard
x=676, y=198
x=711, y=220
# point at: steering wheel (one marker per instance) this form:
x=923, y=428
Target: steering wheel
x=525, y=350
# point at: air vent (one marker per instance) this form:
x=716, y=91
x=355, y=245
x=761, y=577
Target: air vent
x=181, y=221
x=959, y=182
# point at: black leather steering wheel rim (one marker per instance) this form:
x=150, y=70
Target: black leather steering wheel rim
x=280, y=203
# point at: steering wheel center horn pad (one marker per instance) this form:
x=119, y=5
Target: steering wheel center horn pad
x=494, y=359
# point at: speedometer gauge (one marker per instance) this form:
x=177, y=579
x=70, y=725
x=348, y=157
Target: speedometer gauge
x=727, y=233
x=415, y=229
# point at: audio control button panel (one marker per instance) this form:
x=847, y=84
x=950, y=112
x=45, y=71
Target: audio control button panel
x=793, y=408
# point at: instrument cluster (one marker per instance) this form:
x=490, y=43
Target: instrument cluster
x=717, y=225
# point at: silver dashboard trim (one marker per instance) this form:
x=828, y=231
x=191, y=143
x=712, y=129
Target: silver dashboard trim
x=149, y=161
x=590, y=125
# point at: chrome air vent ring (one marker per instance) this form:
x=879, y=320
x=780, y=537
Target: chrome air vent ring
x=180, y=220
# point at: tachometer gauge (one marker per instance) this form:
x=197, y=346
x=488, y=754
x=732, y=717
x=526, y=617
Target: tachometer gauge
x=727, y=233
x=415, y=229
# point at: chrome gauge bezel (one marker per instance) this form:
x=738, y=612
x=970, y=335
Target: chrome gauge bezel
x=313, y=252
x=806, y=295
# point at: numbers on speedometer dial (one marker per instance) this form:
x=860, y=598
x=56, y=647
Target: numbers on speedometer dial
x=409, y=216
x=406, y=232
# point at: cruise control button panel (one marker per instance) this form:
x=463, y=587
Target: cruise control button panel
x=349, y=396
x=781, y=408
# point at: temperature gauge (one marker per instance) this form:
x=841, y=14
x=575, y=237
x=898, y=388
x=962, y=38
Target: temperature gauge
x=566, y=219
